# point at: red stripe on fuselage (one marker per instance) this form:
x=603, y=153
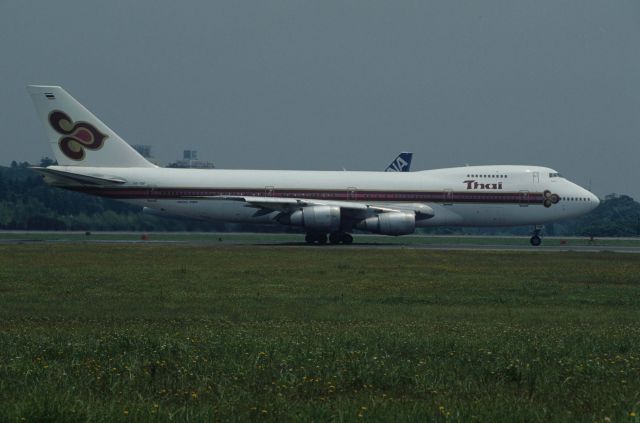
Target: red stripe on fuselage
x=337, y=195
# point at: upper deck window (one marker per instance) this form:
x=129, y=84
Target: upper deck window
x=555, y=175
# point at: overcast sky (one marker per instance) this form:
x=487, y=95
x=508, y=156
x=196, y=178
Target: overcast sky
x=332, y=84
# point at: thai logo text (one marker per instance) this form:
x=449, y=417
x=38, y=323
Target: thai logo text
x=473, y=184
x=76, y=136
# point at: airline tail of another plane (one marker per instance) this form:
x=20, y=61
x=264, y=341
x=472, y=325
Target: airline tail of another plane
x=77, y=137
x=402, y=163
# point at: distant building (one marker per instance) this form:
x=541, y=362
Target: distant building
x=190, y=161
x=144, y=150
x=190, y=154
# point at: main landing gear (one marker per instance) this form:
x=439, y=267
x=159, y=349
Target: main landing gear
x=334, y=238
x=313, y=237
x=535, y=238
x=340, y=237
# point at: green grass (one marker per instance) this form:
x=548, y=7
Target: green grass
x=161, y=332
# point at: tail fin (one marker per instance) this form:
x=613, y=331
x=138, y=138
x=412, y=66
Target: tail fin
x=402, y=163
x=77, y=137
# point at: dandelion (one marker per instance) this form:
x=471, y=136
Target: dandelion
x=126, y=412
x=443, y=411
x=632, y=413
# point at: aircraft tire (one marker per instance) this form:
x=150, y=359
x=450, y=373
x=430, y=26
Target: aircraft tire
x=535, y=240
x=321, y=238
x=347, y=239
x=309, y=238
x=335, y=237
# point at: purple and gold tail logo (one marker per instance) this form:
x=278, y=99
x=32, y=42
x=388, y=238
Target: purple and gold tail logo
x=76, y=135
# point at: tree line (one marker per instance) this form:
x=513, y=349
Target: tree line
x=27, y=203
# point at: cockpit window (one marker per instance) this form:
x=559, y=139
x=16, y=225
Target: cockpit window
x=555, y=175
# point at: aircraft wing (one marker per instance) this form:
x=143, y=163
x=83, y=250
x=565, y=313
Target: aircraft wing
x=352, y=208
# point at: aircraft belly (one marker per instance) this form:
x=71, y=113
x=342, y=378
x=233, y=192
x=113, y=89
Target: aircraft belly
x=490, y=215
x=444, y=215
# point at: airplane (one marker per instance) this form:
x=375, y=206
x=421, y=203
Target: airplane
x=402, y=163
x=94, y=160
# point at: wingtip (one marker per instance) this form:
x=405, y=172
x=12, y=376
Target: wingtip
x=40, y=88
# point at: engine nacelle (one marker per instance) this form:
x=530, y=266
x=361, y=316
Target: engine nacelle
x=318, y=218
x=392, y=223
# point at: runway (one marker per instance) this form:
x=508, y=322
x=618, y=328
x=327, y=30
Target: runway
x=361, y=242
x=524, y=248
x=470, y=247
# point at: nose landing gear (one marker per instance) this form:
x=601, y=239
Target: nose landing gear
x=535, y=238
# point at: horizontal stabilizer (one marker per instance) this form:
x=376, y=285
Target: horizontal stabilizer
x=62, y=178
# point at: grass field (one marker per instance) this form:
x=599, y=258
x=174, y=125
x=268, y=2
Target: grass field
x=112, y=332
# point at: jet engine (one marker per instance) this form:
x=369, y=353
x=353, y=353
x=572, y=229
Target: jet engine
x=392, y=223
x=318, y=218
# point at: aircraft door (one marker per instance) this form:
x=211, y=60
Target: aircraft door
x=523, y=198
x=351, y=193
x=448, y=197
x=151, y=194
x=268, y=191
x=536, y=177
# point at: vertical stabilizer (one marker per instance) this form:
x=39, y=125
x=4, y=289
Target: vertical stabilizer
x=402, y=163
x=77, y=137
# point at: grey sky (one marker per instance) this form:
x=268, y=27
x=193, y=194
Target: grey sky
x=332, y=84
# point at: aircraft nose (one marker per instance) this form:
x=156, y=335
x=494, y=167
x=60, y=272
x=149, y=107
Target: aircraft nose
x=594, y=200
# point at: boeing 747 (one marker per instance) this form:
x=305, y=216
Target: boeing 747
x=93, y=159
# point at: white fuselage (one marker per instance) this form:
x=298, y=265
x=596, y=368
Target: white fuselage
x=463, y=196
